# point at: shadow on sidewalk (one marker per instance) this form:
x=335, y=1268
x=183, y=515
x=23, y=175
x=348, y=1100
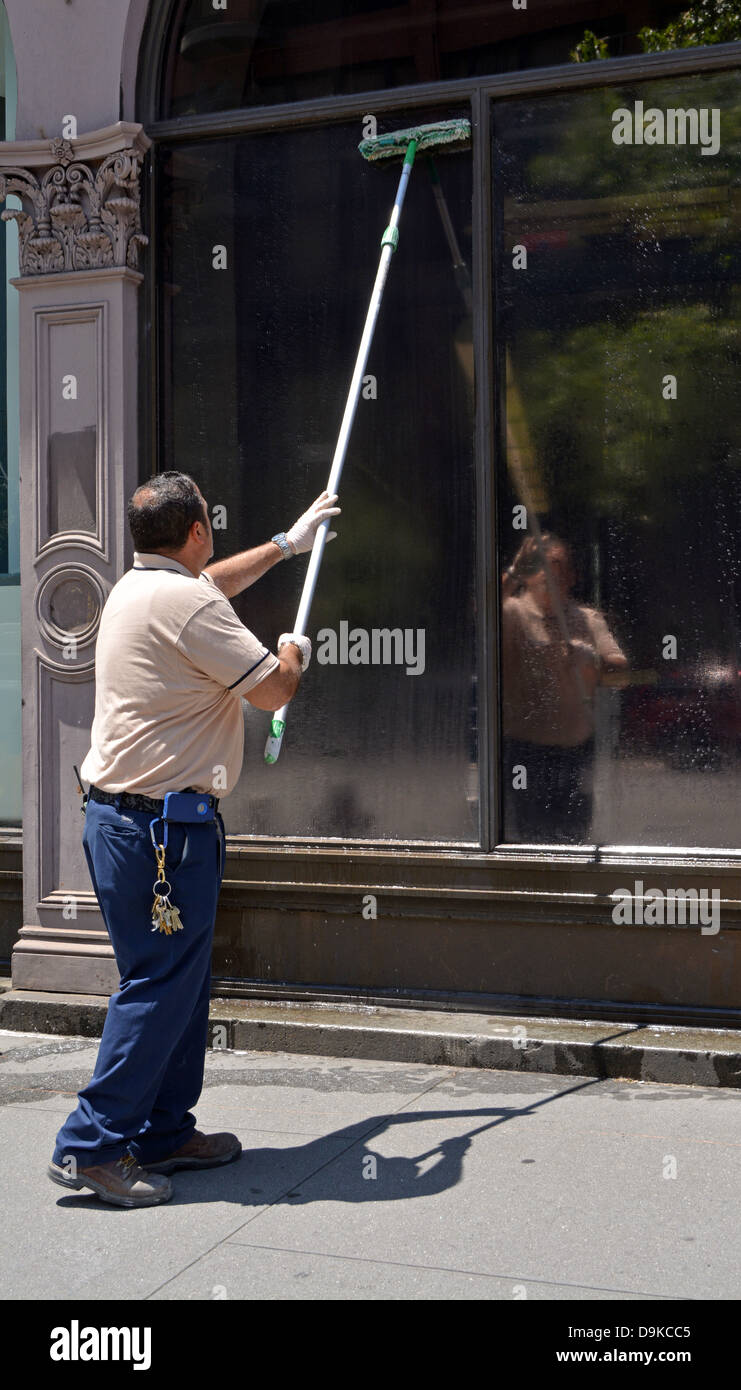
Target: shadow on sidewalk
x=321, y=1175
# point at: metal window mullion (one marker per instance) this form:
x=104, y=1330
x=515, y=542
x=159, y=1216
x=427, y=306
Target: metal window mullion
x=487, y=618
x=243, y=119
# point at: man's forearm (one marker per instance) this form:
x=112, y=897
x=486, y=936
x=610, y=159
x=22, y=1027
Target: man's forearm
x=237, y=572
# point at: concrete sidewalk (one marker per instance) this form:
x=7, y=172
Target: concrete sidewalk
x=386, y=1180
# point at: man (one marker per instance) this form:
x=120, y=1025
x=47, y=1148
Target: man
x=548, y=692
x=172, y=666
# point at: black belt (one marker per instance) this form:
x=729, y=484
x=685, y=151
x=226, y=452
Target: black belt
x=131, y=802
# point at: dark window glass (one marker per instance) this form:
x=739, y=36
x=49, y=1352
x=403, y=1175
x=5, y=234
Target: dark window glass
x=254, y=53
x=619, y=347
x=256, y=364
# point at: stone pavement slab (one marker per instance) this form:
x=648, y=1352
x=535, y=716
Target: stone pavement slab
x=257, y=1272
x=55, y=1245
x=494, y=1191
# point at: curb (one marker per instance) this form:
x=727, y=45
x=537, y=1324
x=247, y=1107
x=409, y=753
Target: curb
x=566, y=1047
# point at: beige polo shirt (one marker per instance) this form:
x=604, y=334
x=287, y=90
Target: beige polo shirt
x=172, y=663
x=541, y=697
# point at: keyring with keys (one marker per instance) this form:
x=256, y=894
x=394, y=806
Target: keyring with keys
x=165, y=916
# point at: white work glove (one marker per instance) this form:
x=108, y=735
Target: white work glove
x=302, y=533
x=303, y=644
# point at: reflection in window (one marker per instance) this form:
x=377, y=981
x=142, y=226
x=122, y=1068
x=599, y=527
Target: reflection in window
x=257, y=360
x=619, y=332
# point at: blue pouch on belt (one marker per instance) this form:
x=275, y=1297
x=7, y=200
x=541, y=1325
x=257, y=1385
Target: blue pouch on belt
x=189, y=808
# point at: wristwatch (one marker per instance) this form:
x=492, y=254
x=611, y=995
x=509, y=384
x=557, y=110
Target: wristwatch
x=282, y=543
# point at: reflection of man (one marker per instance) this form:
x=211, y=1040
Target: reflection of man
x=548, y=694
x=172, y=665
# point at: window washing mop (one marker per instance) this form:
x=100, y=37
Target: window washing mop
x=454, y=135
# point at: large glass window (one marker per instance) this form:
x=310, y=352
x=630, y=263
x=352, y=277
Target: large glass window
x=616, y=339
x=618, y=332
x=10, y=591
x=270, y=255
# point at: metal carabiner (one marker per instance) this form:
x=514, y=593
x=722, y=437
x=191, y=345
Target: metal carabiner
x=155, y=842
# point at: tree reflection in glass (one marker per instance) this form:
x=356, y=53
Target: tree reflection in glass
x=618, y=329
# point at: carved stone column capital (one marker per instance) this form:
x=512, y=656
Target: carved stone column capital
x=81, y=199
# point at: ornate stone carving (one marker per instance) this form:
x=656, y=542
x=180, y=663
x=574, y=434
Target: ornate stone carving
x=82, y=211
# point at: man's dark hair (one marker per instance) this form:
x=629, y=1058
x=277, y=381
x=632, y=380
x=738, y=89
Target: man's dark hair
x=162, y=511
x=529, y=558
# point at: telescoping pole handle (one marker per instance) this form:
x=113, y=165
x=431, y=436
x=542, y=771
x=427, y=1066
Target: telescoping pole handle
x=389, y=242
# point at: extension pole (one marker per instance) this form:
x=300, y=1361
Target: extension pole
x=389, y=242
x=460, y=269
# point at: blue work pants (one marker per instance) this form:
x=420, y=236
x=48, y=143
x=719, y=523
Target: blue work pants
x=149, y=1069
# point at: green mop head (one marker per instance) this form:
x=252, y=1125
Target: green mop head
x=455, y=134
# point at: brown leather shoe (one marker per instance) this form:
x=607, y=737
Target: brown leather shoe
x=201, y=1151
x=123, y=1183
